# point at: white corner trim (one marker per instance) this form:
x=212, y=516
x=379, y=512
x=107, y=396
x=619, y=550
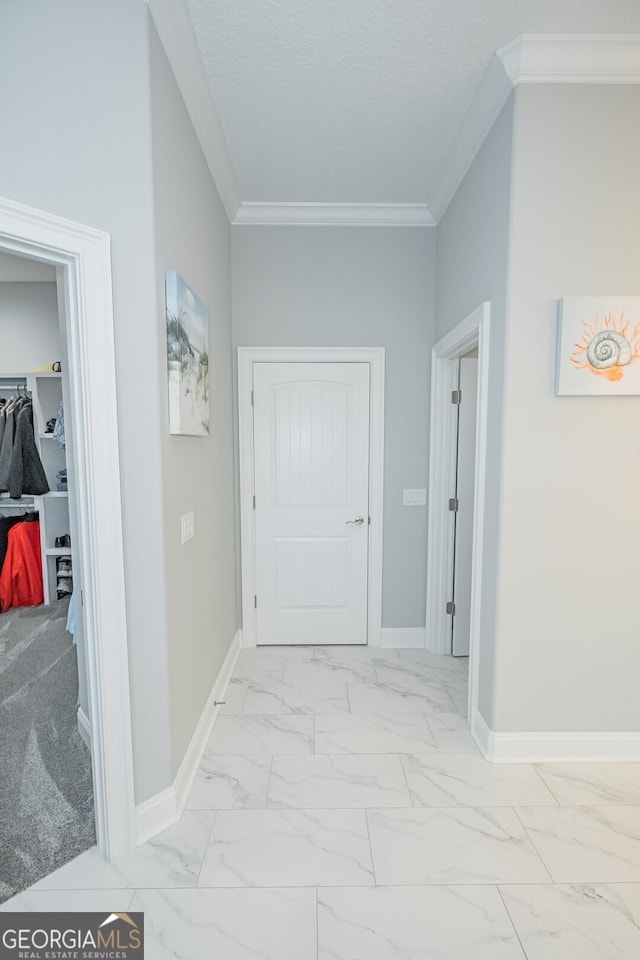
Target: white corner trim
x=84, y=726
x=156, y=814
x=402, y=637
x=375, y=357
x=532, y=58
x=334, y=214
x=480, y=732
x=492, y=94
x=165, y=808
x=572, y=58
x=177, y=35
x=554, y=747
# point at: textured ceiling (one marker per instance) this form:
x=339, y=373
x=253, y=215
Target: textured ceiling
x=358, y=101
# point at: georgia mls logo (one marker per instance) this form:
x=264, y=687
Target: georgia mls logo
x=71, y=936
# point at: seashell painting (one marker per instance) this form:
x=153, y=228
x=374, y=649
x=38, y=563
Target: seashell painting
x=599, y=346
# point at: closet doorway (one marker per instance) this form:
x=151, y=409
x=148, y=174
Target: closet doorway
x=46, y=801
x=467, y=404
x=81, y=258
x=469, y=336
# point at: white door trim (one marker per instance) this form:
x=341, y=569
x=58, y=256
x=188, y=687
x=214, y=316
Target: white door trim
x=374, y=356
x=472, y=331
x=84, y=258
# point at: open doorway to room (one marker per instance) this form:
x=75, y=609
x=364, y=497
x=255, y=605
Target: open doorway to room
x=459, y=389
x=80, y=259
x=46, y=800
x=466, y=400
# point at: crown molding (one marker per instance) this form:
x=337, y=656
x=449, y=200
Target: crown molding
x=572, y=58
x=533, y=58
x=335, y=214
x=177, y=36
x=492, y=94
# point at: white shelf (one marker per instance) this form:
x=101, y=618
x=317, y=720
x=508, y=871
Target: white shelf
x=46, y=389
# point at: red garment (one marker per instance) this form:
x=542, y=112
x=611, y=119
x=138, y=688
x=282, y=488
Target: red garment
x=21, y=577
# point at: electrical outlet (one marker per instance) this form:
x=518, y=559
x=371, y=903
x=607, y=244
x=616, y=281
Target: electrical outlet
x=188, y=526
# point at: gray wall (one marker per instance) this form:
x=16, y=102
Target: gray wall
x=86, y=154
x=356, y=286
x=568, y=656
x=473, y=249
x=28, y=326
x=14, y=269
x=192, y=237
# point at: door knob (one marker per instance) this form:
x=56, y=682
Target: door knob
x=358, y=520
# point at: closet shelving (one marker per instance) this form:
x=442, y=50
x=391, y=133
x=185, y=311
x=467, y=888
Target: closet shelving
x=53, y=507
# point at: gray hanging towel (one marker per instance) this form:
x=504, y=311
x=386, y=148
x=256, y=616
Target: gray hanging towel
x=26, y=473
x=6, y=449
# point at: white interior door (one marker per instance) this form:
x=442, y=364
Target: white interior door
x=465, y=484
x=311, y=462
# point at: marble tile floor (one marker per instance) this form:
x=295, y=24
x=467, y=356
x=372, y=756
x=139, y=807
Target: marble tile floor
x=343, y=811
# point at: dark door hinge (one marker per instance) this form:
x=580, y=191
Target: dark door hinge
x=254, y=501
x=454, y=503
x=451, y=607
x=252, y=398
x=456, y=397
x=255, y=602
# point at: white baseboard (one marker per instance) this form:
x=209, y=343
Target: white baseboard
x=84, y=726
x=552, y=747
x=156, y=814
x=403, y=637
x=165, y=808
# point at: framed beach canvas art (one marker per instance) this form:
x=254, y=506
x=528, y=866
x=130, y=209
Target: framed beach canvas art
x=187, y=358
x=599, y=347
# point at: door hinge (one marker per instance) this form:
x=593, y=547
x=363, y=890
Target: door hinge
x=456, y=397
x=451, y=607
x=454, y=503
x=254, y=501
x=255, y=602
x=252, y=398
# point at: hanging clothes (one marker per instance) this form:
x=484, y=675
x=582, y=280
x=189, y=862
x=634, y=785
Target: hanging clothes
x=3, y=405
x=6, y=523
x=6, y=448
x=26, y=473
x=21, y=577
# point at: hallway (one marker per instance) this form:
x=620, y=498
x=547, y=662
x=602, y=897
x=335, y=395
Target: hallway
x=342, y=811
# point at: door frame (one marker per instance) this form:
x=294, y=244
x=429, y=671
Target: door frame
x=375, y=357
x=472, y=331
x=82, y=257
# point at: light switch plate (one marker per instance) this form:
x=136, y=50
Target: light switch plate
x=414, y=498
x=188, y=526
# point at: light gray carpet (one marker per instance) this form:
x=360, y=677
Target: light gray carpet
x=46, y=791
